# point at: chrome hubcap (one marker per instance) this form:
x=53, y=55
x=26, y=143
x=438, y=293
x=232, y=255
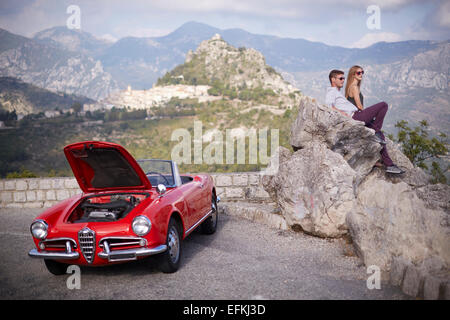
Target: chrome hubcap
x=174, y=245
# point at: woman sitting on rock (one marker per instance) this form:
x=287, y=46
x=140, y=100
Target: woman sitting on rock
x=372, y=116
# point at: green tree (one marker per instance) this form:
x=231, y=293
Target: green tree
x=77, y=107
x=419, y=147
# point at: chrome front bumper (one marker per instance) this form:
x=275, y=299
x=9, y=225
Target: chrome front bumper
x=112, y=256
x=68, y=243
x=130, y=254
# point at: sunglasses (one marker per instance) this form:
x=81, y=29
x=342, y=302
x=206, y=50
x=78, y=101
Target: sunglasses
x=341, y=78
x=360, y=73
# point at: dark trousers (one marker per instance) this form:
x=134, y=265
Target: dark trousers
x=373, y=117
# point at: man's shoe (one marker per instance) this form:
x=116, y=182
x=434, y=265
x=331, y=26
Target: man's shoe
x=378, y=138
x=394, y=169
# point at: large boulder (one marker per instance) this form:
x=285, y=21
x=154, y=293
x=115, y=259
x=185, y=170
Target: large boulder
x=314, y=189
x=390, y=219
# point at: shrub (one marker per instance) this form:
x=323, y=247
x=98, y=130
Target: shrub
x=24, y=173
x=419, y=147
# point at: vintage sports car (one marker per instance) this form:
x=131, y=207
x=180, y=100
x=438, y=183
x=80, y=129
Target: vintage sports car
x=128, y=210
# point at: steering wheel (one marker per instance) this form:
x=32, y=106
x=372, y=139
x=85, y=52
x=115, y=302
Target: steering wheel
x=154, y=172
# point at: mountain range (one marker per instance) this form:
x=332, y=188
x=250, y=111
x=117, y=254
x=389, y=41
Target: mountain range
x=150, y=57
x=412, y=76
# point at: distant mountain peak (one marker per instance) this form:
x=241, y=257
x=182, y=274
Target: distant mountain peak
x=195, y=24
x=72, y=40
x=216, y=60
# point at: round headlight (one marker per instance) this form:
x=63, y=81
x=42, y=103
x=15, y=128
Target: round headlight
x=141, y=225
x=39, y=229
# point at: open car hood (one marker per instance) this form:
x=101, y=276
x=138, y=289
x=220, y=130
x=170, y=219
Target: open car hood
x=104, y=166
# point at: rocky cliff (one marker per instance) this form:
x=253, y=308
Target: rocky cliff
x=329, y=187
x=53, y=68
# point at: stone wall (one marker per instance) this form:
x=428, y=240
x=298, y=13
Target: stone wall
x=45, y=192
x=242, y=186
x=36, y=192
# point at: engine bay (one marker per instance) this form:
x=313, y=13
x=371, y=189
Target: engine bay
x=105, y=208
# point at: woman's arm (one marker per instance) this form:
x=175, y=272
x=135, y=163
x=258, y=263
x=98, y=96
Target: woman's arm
x=354, y=90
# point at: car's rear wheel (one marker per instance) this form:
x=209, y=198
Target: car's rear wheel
x=169, y=261
x=209, y=226
x=56, y=268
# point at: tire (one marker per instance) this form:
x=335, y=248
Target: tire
x=209, y=226
x=56, y=268
x=169, y=261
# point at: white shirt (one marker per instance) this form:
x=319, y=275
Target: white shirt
x=335, y=98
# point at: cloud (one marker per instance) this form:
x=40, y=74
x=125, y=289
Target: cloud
x=29, y=17
x=370, y=38
x=280, y=8
x=434, y=25
x=108, y=37
x=442, y=17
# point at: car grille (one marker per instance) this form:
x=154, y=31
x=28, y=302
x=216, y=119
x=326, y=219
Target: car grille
x=121, y=242
x=57, y=244
x=86, y=239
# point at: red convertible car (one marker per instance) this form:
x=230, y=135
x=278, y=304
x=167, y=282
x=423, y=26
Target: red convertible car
x=128, y=210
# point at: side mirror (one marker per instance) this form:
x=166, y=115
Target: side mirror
x=161, y=189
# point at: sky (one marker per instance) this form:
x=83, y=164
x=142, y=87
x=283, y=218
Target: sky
x=346, y=23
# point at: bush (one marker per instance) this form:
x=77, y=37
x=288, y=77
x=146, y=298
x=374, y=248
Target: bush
x=24, y=173
x=419, y=148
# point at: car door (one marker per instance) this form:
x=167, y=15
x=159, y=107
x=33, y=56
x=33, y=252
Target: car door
x=203, y=198
x=192, y=194
x=205, y=202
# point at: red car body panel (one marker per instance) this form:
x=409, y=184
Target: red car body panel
x=189, y=202
x=76, y=152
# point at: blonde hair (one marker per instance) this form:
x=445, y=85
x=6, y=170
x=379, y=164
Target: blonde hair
x=350, y=78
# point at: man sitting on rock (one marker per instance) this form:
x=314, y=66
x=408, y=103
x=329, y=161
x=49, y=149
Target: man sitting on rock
x=336, y=100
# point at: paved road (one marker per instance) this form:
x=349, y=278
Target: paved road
x=242, y=260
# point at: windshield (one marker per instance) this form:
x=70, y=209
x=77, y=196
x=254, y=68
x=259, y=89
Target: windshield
x=159, y=171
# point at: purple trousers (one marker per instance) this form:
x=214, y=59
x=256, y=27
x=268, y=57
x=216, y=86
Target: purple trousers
x=373, y=117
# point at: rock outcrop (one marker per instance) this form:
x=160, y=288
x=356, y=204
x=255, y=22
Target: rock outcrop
x=215, y=60
x=236, y=66
x=329, y=187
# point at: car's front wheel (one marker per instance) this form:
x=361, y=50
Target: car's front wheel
x=169, y=261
